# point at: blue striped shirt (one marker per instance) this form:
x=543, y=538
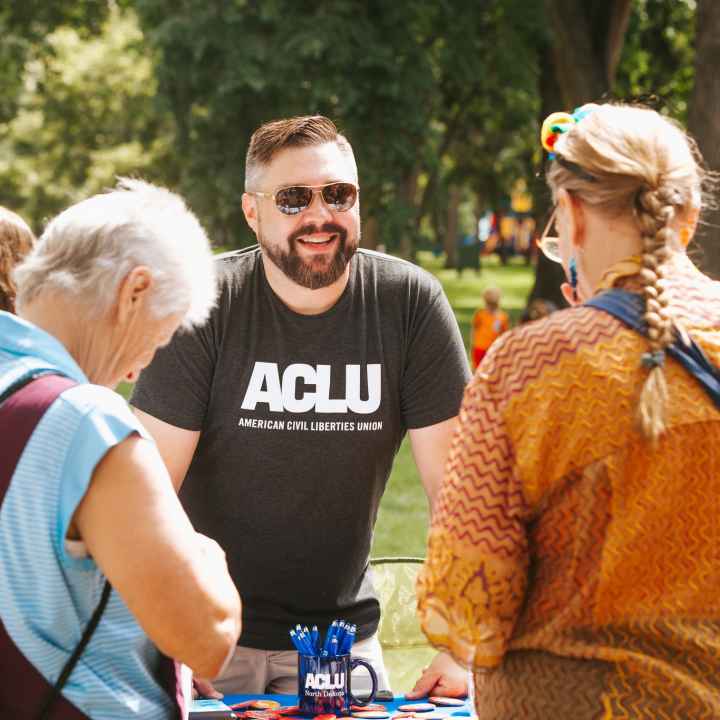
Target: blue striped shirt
x=48, y=595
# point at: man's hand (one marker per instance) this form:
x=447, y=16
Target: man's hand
x=442, y=677
x=204, y=689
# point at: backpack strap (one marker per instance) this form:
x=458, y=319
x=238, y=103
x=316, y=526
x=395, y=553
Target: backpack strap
x=629, y=308
x=22, y=406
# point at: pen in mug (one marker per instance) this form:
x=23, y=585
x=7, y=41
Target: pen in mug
x=329, y=636
x=315, y=639
x=347, y=642
x=309, y=650
x=341, y=629
x=295, y=641
x=308, y=640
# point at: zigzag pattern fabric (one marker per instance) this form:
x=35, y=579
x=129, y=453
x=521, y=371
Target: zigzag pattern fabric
x=573, y=567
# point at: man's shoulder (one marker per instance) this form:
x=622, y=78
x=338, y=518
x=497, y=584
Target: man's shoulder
x=394, y=271
x=235, y=268
x=241, y=260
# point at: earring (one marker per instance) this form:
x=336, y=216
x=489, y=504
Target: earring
x=572, y=266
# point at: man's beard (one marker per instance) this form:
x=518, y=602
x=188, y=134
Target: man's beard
x=302, y=271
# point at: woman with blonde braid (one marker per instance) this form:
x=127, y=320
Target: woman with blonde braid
x=574, y=555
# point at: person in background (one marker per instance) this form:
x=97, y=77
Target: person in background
x=16, y=241
x=488, y=324
x=280, y=418
x=577, y=573
x=84, y=494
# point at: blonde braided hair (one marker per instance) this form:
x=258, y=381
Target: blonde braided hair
x=632, y=159
x=16, y=241
x=655, y=211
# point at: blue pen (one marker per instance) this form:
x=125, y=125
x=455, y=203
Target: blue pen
x=307, y=649
x=342, y=629
x=315, y=638
x=329, y=636
x=295, y=642
x=349, y=640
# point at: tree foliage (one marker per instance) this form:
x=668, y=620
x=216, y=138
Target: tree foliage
x=442, y=101
x=408, y=82
x=85, y=113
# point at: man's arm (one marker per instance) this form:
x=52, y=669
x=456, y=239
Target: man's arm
x=176, y=446
x=430, y=446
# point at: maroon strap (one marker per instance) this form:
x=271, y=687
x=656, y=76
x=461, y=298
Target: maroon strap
x=22, y=687
x=172, y=682
x=19, y=415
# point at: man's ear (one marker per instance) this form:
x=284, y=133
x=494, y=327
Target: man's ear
x=133, y=292
x=250, y=210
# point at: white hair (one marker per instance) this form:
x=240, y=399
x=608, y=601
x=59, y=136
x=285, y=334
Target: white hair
x=91, y=247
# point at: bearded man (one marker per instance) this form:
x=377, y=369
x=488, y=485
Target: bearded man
x=280, y=418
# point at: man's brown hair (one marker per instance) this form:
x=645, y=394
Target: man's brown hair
x=276, y=135
x=16, y=241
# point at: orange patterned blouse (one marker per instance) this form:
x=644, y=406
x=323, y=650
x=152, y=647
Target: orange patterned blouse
x=576, y=570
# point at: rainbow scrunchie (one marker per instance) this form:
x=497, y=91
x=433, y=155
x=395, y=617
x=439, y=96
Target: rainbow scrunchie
x=558, y=123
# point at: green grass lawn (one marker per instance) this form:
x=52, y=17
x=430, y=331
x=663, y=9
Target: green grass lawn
x=403, y=516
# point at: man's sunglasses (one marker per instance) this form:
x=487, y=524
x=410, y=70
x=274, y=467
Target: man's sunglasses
x=338, y=196
x=549, y=242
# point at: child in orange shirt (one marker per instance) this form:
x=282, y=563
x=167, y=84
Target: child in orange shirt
x=488, y=323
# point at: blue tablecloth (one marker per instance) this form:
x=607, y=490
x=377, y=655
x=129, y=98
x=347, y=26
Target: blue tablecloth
x=391, y=705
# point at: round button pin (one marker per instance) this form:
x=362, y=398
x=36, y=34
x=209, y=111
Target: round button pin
x=447, y=701
x=368, y=708
x=417, y=707
x=265, y=705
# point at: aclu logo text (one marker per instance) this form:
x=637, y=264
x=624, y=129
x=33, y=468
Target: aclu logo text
x=284, y=394
x=324, y=681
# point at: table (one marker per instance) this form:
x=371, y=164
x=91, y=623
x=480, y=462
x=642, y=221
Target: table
x=456, y=713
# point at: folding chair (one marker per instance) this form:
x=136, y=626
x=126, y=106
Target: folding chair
x=405, y=648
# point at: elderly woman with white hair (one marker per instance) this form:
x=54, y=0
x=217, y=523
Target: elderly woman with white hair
x=84, y=494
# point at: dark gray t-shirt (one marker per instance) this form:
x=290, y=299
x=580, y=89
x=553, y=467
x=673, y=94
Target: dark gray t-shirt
x=301, y=417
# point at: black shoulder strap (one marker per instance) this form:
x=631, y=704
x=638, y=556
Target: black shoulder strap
x=53, y=693
x=629, y=308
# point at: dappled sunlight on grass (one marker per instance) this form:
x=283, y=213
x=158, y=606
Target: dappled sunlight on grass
x=403, y=515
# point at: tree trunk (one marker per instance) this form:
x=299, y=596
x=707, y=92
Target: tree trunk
x=548, y=275
x=370, y=233
x=579, y=67
x=587, y=43
x=704, y=121
x=581, y=73
x=451, y=229
x=408, y=198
